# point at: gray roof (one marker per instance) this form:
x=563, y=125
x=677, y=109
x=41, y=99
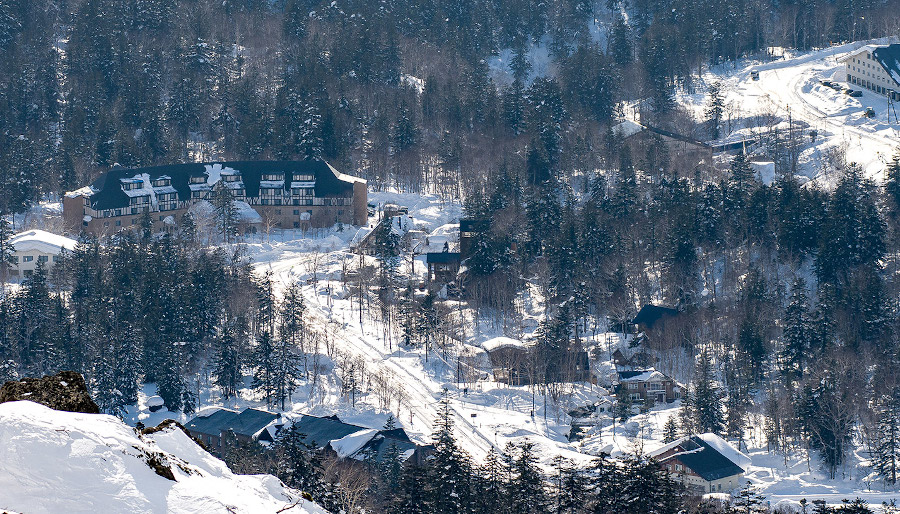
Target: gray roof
x=251, y=421
x=321, y=431
x=212, y=423
x=246, y=423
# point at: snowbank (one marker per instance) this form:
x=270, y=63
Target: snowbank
x=53, y=461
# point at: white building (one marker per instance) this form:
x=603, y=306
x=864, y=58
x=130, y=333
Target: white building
x=34, y=246
x=876, y=68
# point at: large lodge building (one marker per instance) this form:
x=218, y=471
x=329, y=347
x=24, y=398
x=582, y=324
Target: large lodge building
x=287, y=194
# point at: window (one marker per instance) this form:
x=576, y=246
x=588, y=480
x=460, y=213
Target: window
x=679, y=467
x=56, y=258
x=43, y=258
x=277, y=211
x=635, y=397
x=296, y=212
x=27, y=258
x=105, y=223
x=15, y=258
x=632, y=385
x=118, y=223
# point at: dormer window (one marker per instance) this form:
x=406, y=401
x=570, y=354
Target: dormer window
x=231, y=178
x=162, y=182
x=304, y=178
x=273, y=176
x=130, y=184
x=198, y=180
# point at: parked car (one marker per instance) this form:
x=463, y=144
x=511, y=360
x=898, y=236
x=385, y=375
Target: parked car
x=869, y=112
x=754, y=74
x=826, y=83
x=855, y=93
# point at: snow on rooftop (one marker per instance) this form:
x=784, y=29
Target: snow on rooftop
x=501, y=342
x=83, y=191
x=722, y=446
x=350, y=444
x=42, y=241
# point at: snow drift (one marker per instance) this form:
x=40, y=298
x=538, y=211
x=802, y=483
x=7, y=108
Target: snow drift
x=54, y=461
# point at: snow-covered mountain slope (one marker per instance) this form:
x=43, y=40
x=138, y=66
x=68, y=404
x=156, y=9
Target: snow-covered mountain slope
x=53, y=461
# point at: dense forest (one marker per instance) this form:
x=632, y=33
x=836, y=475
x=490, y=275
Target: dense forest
x=400, y=92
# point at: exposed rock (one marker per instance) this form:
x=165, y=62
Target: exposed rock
x=64, y=391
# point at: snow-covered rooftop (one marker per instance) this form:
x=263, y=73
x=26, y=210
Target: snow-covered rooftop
x=42, y=241
x=502, y=342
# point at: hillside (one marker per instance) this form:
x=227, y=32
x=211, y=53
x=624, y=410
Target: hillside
x=53, y=461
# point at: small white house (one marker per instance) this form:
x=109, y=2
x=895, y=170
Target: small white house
x=34, y=246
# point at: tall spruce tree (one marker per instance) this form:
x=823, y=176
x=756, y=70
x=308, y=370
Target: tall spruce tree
x=705, y=399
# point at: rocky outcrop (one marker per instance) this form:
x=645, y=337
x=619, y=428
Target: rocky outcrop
x=65, y=391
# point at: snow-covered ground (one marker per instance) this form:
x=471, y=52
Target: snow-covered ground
x=53, y=461
x=502, y=413
x=789, y=89
x=486, y=413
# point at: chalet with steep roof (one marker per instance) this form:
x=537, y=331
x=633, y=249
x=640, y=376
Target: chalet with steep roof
x=705, y=463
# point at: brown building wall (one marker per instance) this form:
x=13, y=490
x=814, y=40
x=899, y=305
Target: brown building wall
x=73, y=213
x=274, y=216
x=360, y=204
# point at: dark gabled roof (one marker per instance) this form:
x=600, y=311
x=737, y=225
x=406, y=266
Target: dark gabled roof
x=705, y=461
x=441, y=257
x=321, y=431
x=246, y=423
x=212, y=424
x=251, y=421
x=889, y=58
x=650, y=314
x=109, y=194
